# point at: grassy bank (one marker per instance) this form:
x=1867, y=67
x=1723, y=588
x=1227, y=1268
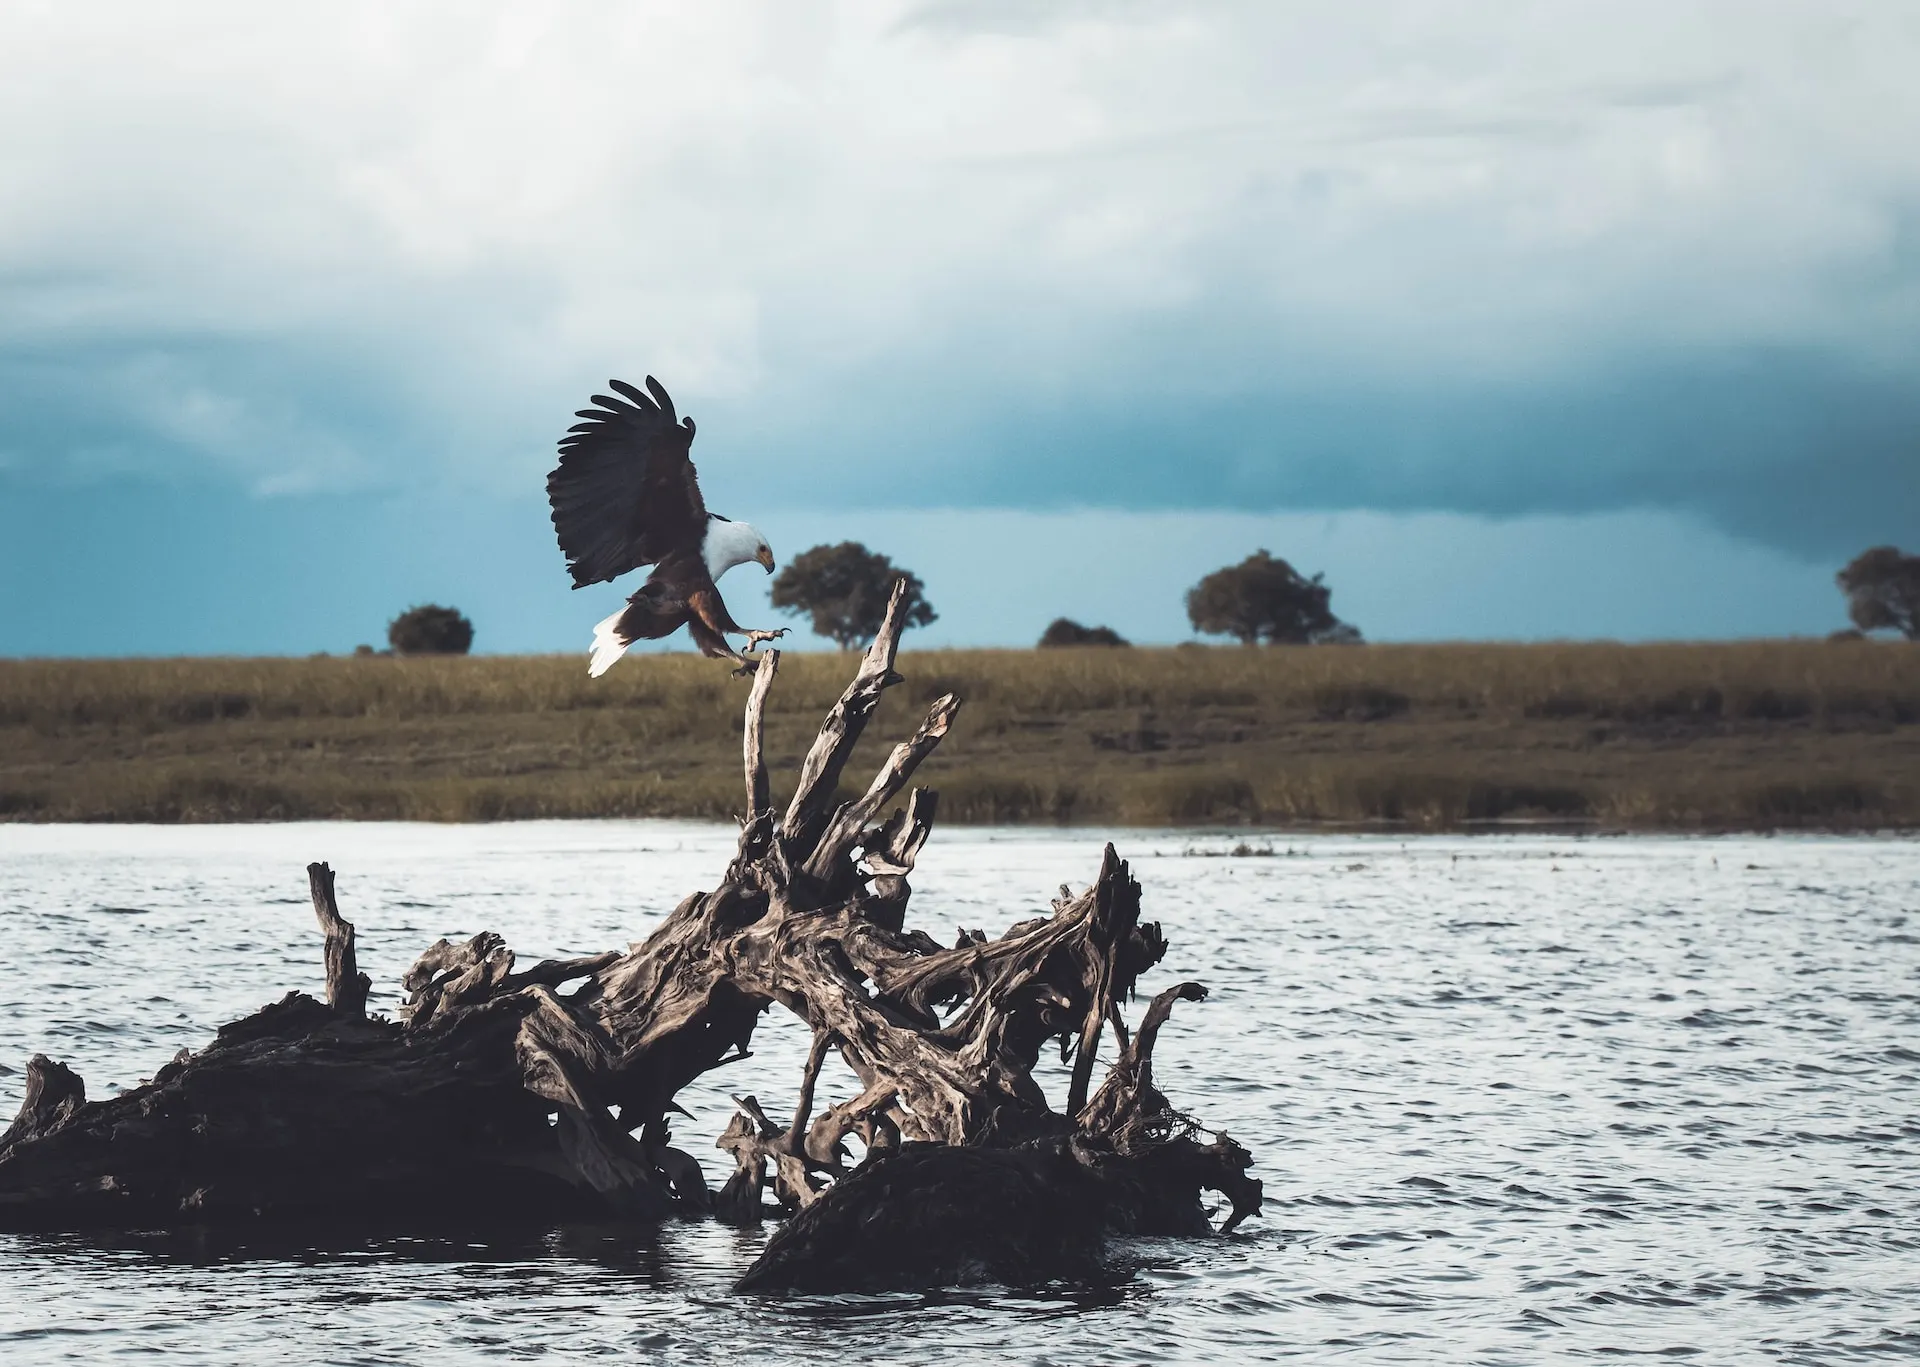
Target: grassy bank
x=1748, y=735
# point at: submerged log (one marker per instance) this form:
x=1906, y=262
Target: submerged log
x=548, y=1090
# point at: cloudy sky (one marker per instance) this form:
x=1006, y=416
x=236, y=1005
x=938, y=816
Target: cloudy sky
x=1517, y=319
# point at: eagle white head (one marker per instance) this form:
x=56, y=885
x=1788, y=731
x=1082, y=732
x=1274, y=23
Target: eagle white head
x=733, y=543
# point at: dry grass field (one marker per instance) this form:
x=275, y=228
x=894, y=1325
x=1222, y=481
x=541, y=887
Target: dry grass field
x=1695, y=737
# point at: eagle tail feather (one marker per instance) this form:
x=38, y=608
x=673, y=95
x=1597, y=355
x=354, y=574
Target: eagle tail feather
x=608, y=645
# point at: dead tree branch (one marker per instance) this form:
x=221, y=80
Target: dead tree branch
x=347, y=986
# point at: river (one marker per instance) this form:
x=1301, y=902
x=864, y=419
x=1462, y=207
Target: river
x=1515, y=1099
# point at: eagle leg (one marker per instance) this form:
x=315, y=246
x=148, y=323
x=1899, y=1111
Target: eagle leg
x=712, y=643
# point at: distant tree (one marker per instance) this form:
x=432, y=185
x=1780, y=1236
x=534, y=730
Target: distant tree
x=430, y=630
x=844, y=589
x=1067, y=632
x=1266, y=599
x=1883, y=591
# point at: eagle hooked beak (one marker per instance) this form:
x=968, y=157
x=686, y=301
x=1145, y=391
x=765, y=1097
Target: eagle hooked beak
x=765, y=557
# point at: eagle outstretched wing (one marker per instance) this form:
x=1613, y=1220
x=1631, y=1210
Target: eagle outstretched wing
x=625, y=493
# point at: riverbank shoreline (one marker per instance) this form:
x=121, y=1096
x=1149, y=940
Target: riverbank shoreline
x=1584, y=738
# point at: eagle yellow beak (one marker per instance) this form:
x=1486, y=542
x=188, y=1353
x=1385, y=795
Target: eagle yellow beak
x=765, y=557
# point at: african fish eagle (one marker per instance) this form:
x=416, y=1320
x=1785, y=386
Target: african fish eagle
x=624, y=496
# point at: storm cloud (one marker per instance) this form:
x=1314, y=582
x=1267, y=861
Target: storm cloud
x=1489, y=258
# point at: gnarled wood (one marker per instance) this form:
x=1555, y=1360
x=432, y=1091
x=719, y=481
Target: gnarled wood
x=347, y=986
x=550, y=1088
x=827, y=758
x=54, y=1093
x=759, y=788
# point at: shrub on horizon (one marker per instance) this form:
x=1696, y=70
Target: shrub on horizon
x=1064, y=631
x=430, y=630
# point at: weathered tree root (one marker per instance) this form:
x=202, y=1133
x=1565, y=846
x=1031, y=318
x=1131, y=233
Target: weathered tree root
x=503, y=1091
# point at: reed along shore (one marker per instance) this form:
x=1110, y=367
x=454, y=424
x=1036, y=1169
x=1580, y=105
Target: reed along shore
x=1737, y=736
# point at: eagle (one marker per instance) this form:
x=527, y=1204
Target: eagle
x=625, y=496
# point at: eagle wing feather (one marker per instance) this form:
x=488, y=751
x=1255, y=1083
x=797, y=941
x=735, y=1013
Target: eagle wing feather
x=625, y=493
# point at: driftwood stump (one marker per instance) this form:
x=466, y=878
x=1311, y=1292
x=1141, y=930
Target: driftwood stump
x=501, y=1092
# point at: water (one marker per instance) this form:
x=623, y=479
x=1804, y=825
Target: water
x=1515, y=1100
